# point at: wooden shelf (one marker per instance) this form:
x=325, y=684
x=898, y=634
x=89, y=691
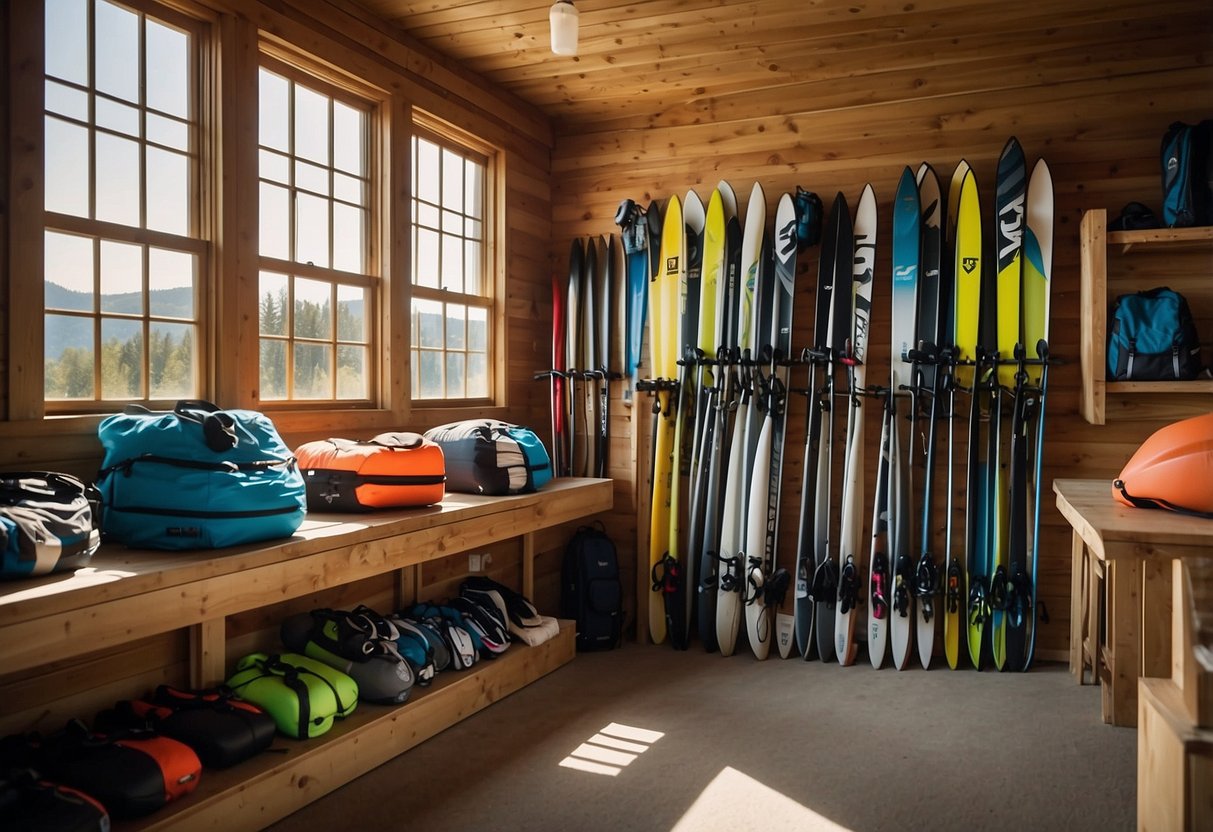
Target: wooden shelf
x=1196, y=385
x=125, y=595
x=293, y=773
x=1097, y=245
x=1172, y=239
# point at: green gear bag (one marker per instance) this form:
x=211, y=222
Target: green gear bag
x=303, y=695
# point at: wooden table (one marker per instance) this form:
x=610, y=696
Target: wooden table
x=1120, y=607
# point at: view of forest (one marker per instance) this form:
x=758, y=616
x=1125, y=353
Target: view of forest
x=172, y=361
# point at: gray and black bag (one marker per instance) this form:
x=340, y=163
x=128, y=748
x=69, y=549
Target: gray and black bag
x=48, y=523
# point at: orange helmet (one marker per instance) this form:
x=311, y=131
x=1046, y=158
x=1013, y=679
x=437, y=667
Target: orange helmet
x=1173, y=469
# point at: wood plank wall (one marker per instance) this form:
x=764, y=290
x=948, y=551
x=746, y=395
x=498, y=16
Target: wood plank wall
x=1091, y=89
x=352, y=39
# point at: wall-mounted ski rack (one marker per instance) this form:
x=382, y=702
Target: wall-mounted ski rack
x=657, y=385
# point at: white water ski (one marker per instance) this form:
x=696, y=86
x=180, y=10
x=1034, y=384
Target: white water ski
x=851, y=533
x=729, y=597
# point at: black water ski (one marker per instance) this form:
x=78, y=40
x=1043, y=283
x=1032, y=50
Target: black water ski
x=806, y=536
x=837, y=248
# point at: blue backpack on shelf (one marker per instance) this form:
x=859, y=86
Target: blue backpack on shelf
x=1187, y=174
x=1152, y=338
x=197, y=477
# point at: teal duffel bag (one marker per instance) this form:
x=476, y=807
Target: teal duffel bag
x=197, y=477
x=302, y=694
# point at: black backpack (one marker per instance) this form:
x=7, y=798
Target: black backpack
x=1187, y=174
x=590, y=591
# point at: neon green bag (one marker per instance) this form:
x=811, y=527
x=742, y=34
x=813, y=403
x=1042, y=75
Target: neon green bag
x=303, y=695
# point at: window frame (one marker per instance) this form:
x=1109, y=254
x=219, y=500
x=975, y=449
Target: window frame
x=230, y=47
x=304, y=71
x=197, y=241
x=449, y=137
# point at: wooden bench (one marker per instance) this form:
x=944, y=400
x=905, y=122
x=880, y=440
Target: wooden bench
x=1120, y=600
x=1175, y=715
x=125, y=595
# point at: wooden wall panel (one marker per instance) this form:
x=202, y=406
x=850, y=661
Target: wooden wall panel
x=1090, y=87
x=45, y=698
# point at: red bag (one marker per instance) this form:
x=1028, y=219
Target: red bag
x=221, y=728
x=393, y=470
x=131, y=773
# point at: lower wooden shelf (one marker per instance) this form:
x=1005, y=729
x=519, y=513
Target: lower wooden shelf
x=1193, y=386
x=294, y=773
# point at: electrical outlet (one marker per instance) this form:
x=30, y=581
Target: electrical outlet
x=474, y=563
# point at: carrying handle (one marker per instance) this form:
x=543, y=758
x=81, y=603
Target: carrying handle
x=398, y=439
x=218, y=426
x=189, y=408
x=55, y=481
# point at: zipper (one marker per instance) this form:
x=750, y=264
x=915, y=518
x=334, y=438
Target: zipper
x=220, y=515
x=430, y=479
x=256, y=465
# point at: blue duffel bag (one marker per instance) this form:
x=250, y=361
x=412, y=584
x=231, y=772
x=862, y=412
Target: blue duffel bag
x=197, y=477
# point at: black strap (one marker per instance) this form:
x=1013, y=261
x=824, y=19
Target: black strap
x=1019, y=597
x=776, y=588
x=754, y=565
x=825, y=583
x=998, y=590
x=666, y=575
x=730, y=579
x=926, y=584
x=901, y=586
x=848, y=585
x=979, y=607
x=1157, y=502
x=880, y=588
x=953, y=593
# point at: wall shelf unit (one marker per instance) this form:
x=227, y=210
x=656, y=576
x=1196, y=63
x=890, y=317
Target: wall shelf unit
x=1124, y=261
x=125, y=595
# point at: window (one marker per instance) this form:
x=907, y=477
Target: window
x=123, y=254
x=452, y=288
x=318, y=282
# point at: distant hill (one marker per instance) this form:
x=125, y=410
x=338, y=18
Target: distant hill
x=61, y=334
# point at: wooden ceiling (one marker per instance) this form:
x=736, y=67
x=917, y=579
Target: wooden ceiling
x=666, y=62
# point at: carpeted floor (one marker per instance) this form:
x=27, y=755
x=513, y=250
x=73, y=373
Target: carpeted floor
x=775, y=745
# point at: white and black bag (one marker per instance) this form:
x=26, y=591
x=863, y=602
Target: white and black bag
x=491, y=457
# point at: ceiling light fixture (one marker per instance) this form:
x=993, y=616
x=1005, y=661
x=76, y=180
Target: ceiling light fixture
x=563, y=17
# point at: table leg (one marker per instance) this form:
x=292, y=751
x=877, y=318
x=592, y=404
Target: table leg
x=1156, y=617
x=1078, y=605
x=1123, y=617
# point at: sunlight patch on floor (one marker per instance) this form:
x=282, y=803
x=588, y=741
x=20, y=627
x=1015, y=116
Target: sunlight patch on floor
x=734, y=800
x=611, y=749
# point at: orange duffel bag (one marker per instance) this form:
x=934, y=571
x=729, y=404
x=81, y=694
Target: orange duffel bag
x=393, y=470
